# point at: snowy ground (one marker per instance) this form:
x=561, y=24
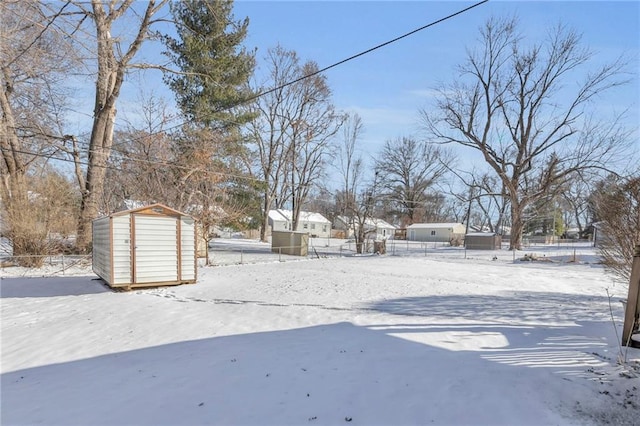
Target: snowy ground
x=407, y=339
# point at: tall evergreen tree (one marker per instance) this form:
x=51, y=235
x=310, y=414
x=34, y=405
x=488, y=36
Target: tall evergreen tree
x=214, y=67
x=210, y=85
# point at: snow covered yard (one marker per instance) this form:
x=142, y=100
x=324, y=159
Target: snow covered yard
x=389, y=340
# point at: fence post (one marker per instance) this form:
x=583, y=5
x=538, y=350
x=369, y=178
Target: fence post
x=241, y=256
x=633, y=303
x=63, y=264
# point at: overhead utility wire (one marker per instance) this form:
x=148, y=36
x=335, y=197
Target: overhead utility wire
x=350, y=58
x=357, y=55
x=138, y=160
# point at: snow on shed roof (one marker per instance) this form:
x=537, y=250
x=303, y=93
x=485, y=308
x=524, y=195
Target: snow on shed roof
x=156, y=208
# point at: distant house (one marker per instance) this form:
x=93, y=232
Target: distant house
x=375, y=228
x=435, y=232
x=314, y=224
x=384, y=230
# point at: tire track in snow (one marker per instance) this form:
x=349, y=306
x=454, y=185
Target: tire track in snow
x=176, y=298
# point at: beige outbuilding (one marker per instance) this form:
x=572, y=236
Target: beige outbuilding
x=145, y=247
x=482, y=241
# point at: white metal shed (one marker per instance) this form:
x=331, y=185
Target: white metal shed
x=144, y=247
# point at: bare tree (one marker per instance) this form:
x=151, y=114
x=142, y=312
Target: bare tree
x=617, y=206
x=350, y=164
x=114, y=59
x=140, y=166
x=268, y=129
x=34, y=59
x=203, y=170
x=575, y=196
x=408, y=170
x=507, y=105
x=292, y=131
x=484, y=192
x=313, y=123
x=46, y=218
x=359, y=197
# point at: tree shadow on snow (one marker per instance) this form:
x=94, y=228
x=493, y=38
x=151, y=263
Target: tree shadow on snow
x=518, y=307
x=51, y=287
x=328, y=374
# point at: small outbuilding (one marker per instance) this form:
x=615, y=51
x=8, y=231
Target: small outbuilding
x=145, y=247
x=289, y=242
x=482, y=241
x=436, y=232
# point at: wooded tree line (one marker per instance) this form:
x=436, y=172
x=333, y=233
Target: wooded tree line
x=241, y=142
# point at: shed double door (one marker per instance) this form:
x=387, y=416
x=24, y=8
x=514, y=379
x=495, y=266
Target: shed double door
x=156, y=249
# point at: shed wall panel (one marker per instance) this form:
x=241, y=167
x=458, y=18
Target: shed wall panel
x=292, y=243
x=121, y=249
x=101, y=254
x=156, y=245
x=187, y=251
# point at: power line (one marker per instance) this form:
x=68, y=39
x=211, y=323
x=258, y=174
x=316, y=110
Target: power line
x=322, y=70
x=357, y=55
x=244, y=101
x=139, y=160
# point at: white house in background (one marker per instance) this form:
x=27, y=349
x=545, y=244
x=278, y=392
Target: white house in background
x=375, y=228
x=383, y=230
x=435, y=232
x=314, y=224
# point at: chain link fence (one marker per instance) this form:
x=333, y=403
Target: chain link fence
x=224, y=252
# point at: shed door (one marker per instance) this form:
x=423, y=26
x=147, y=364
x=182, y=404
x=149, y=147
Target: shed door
x=156, y=249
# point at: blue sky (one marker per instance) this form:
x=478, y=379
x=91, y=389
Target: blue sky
x=388, y=86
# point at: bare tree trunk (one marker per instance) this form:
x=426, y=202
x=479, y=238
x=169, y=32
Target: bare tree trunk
x=265, y=217
x=112, y=66
x=505, y=105
x=517, y=226
x=100, y=148
x=14, y=169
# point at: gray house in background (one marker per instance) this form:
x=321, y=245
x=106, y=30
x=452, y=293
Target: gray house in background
x=435, y=232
